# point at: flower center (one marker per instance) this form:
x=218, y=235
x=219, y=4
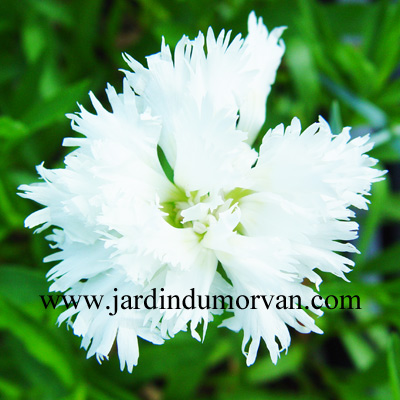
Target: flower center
x=198, y=212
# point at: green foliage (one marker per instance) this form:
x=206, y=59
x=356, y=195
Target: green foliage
x=342, y=61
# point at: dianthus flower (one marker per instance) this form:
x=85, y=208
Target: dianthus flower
x=229, y=221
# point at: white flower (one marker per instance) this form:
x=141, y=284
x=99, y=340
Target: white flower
x=270, y=219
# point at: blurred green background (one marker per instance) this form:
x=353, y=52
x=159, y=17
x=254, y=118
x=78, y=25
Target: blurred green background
x=342, y=61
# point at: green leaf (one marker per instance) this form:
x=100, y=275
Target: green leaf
x=335, y=118
x=264, y=371
x=304, y=74
x=388, y=151
x=21, y=285
x=105, y=388
x=386, y=261
x=25, y=92
x=8, y=71
x=48, y=111
x=389, y=97
x=372, y=220
x=50, y=83
x=36, y=340
x=12, y=129
x=168, y=171
x=369, y=111
x=385, y=40
x=33, y=40
x=86, y=33
x=359, y=350
x=53, y=10
x=7, y=208
x=392, y=209
x=381, y=137
x=356, y=67
x=9, y=390
x=312, y=24
x=394, y=365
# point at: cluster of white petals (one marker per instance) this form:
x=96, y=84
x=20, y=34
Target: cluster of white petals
x=266, y=220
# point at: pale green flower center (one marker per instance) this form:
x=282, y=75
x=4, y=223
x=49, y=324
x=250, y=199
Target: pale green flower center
x=200, y=211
